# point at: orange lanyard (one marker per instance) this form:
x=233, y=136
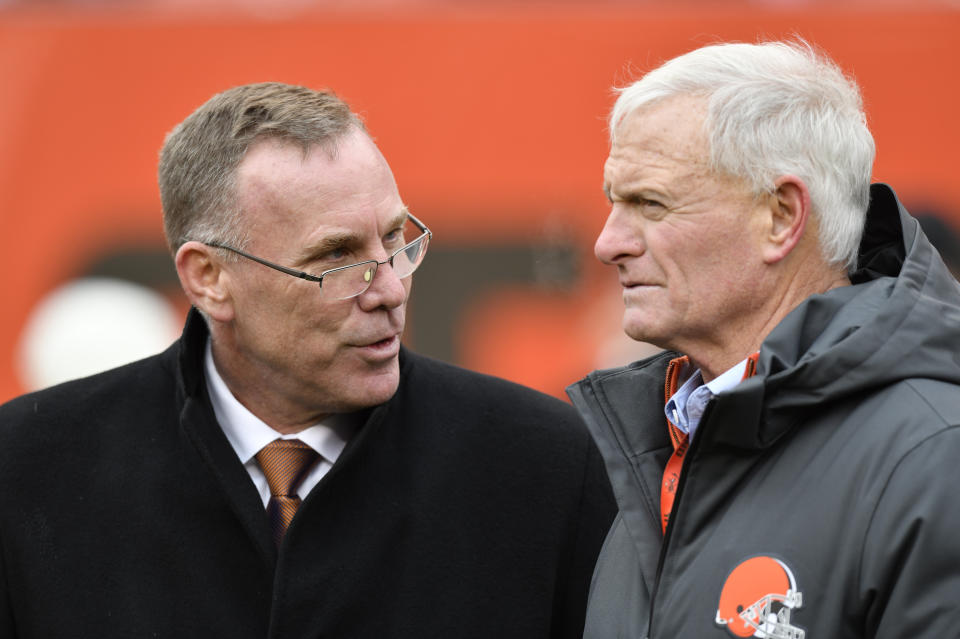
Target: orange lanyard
x=680, y=439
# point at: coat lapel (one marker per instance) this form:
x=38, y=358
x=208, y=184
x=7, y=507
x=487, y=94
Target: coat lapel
x=198, y=423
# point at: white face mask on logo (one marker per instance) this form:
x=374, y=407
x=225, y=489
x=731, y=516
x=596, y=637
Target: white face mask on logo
x=757, y=599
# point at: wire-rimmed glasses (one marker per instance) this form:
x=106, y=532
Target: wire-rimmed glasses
x=344, y=282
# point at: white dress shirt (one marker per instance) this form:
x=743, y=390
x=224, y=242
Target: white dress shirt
x=685, y=407
x=248, y=434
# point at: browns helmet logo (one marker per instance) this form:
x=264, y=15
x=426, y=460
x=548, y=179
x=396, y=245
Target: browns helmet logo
x=757, y=599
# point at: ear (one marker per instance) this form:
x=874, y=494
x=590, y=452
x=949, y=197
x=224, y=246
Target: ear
x=204, y=280
x=789, y=211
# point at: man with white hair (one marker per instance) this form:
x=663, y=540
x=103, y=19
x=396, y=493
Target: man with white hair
x=786, y=468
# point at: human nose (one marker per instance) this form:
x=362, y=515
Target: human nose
x=386, y=290
x=618, y=239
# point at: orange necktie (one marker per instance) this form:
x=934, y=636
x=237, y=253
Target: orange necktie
x=285, y=462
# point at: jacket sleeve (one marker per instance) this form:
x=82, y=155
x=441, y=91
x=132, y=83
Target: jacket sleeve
x=595, y=515
x=910, y=569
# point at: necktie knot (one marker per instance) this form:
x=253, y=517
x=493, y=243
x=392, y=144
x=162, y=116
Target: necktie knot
x=285, y=462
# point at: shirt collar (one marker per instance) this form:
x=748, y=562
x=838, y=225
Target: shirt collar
x=247, y=433
x=686, y=406
x=729, y=378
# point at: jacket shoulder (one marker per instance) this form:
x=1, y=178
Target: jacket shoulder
x=940, y=398
x=472, y=384
x=133, y=391
x=900, y=416
x=451, y=387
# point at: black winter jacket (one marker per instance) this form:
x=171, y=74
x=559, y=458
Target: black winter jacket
x=818, y=498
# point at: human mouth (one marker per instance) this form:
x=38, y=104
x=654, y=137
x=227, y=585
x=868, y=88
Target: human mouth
x=381, y=349
x=635, y=291
x=386, y=342
x=633, y=284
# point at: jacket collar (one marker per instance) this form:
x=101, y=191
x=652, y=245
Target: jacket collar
x=190, y=355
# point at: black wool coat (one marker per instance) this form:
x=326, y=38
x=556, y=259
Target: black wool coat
x=466, y=506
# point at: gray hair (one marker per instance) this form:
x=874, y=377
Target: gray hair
x=200, y=156
x=773, y=109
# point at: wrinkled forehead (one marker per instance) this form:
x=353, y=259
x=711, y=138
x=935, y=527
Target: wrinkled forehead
x=664, y=124
x=668, y=133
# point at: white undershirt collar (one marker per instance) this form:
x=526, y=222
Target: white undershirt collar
x=247, y=433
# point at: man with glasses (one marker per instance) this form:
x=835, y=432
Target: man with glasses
x=288, y=469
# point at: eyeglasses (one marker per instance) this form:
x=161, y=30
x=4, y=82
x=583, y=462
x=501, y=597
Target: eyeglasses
x=344, y=282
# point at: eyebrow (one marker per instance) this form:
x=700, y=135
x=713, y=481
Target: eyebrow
x=348, y=239
x=401, y=218
x=330, y=242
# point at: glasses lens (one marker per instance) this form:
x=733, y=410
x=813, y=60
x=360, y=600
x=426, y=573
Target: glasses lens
x=407, y=259
x=349, y=282
x=353, y=280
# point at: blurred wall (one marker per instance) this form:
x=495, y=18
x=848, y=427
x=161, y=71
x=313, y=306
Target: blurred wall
x=492, y=119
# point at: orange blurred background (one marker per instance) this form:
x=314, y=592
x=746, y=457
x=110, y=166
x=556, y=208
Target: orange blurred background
x=492, y=117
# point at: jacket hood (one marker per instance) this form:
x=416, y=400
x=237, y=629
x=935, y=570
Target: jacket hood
x=900, y=319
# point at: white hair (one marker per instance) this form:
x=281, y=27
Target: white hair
x=773, y=109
